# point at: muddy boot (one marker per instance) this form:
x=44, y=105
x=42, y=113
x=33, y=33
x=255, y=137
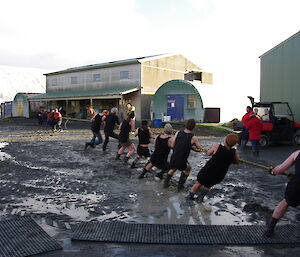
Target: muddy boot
x=167, y=180
x=143, y=174
x=181, y=181
x=191, y=196
x=118, y=156
x=133, y=164
x=203, y=192
x=87, y=145
x=126, y=159
x=160, y=175
x=270, y=227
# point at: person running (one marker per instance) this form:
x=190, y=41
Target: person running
x=254, y=125
x=125, y=142
x=159, y=158
x=110, y=122
x=292, y=191
x=144, y=134
x=182, y=144
x=95, y=128
x=215, y=170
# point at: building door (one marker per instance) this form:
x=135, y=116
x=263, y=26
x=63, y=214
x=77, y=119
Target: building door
x=20, y=109
x=175, y=105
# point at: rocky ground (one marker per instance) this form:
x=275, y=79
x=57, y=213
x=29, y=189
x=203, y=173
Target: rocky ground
x=52, y=178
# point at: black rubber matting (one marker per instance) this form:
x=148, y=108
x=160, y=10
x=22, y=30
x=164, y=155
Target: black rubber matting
x=22, y=236
x=183, y=234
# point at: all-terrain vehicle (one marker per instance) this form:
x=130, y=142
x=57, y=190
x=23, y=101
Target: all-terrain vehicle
x=278, y=122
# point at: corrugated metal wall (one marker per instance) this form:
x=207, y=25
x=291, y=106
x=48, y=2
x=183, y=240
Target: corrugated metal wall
x=280, y=74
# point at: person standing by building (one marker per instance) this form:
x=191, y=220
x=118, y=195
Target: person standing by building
x=182, y=144
x=144, y=134
x=254, y=125
x=159, y=158
x=215, y=169
x=110, y=122
x=292, y=191
x=57, y=120
x=50, y=120
x=244, y=137
x=125, y=142
x=131, y=113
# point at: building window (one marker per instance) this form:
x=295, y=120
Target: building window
x=74, y=80
x=124, y=74
x=191, y=101
x=54, y=82
x=96, y=77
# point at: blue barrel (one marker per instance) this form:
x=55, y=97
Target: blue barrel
x=157, y=123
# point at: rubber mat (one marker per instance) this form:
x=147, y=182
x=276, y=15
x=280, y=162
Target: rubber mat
x=21, y=236
x=183, y=234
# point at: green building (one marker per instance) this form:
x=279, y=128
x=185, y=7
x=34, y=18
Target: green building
x=177, y=100
x=279, y=74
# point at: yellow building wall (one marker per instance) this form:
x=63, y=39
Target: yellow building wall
x=156, y=72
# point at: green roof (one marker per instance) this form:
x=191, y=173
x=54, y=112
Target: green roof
x=84, y=94
x=103, y=65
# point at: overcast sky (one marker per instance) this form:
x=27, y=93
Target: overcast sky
x=225, y=37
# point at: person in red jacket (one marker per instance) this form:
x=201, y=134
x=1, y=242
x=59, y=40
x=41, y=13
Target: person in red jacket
x=57, y=120
x=254, y=125
x=245, y=133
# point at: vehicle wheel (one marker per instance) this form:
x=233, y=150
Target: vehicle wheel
x=264, y=141
x=296, y=139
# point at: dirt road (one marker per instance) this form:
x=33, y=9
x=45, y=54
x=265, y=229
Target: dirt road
x=52, y=178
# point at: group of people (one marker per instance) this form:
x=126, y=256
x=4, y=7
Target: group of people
x=252, y=127
x=53, y=118
x=212, y=173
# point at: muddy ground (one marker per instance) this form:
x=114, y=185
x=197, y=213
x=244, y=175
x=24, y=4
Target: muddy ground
x=52, y=178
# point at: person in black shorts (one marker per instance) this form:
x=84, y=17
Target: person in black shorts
x=182, y=143
x=144, y=134
x=162, y=147
x=292, y=191
x=110, y=122
x=215, y=170
x=125, y=142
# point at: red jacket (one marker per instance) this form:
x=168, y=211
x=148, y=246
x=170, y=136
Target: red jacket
x=246, y=118
x=254, y=125
x=57, y=115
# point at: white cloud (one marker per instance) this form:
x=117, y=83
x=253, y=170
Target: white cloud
x=223, y=37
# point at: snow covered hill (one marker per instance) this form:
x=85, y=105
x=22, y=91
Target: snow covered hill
x=20, y=80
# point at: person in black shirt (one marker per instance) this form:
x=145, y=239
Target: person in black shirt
x=182, y=144
x=216, y=168
x=125, y=142
x=144, y=134
x=95, y=128
x=159, y=158
x=110, y=122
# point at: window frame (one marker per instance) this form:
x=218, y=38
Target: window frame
x=97, y=74
x=74, y=80
x=124, y=72
x=191, y=103
x=54, y=82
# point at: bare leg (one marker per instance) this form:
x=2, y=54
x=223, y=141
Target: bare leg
x=278, y=213
x=280, y=209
